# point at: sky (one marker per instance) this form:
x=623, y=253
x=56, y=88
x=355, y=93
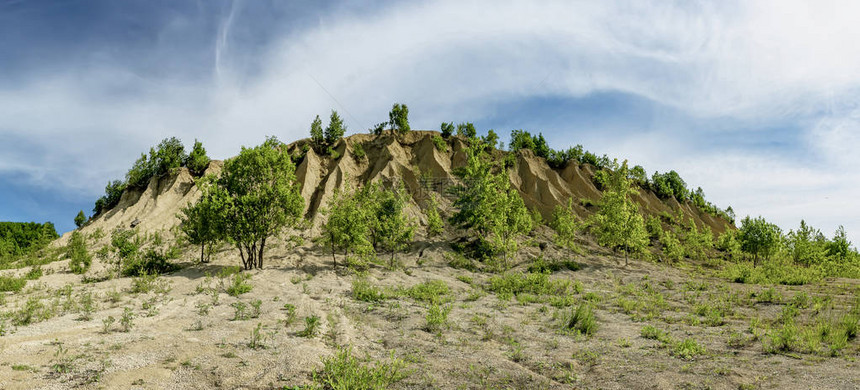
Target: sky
x=757, y=102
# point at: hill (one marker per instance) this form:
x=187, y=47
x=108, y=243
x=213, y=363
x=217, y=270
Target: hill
x=556, y=318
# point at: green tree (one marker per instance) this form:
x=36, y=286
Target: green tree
x=167, y=156
x=565, y=224
x=390, y=225
x=317, y=137
x=140, y=173
x=447, y=129
x=617, y=222
x=806, y=245
x=203, y=222
x=335, y=130
x=346, y=227
x=113, y=193
x=491, y=139
x=759, y=238
x=197, y=161
x=467, y=130
x=839, y=247
x=488, y=204
x=398, y=118
x=80, y=258
x=259, y=197
x=435, y=224
x=80, y=219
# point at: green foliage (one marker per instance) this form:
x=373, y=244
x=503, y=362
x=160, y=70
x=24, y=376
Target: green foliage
x=514, y=283
x=335, y=129
x=432, y=291
x=669, y=184
x=10, y=283
x=239, y=284
x=565, y=224
x=688, y=349
x=617, y=223
x=346, y=228
x=600, y=179
x=521, y=139
x=839, y=247
x=759, y=238
x=806, y=245
x=488, y=204
x=447, y=129
x=582, y=320
x=312, y=324
x=80, y=218
x=437, y=317
x=358, y=151
x=491, y=139
x=440, y=143
x=697, y=243
x=113, y=193
x=22, y=238
x=76, y=250
x=398, y=118
x=391, y=230
x=197, y=161
x=728, y=243
x=435, y=224
x=317, y=137
x=363, y=290
x=671, y=246
x=466, y=129
x=256, y=197
x=343, y=371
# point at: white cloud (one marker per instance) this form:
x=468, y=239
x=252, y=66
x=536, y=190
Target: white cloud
x=757, y=61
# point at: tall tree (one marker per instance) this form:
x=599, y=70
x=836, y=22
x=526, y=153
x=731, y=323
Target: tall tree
x=759, y=238
x=398, y=118
x=617, y=222
x=565, y=225
x=258, y=196
x=391, y=227
x=335, y=129
x=203, y=222
x=806, y=245
x=317, y=137
x=346, y=227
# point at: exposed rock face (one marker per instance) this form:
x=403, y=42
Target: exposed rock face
x=412, y=159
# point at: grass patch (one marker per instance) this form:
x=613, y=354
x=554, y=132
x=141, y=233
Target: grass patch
x=363, y=290
x=582, y=320
x=9, y=283
x=345, y=371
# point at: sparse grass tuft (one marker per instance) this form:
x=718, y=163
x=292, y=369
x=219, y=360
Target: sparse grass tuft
x=363, y=290
x=582, y=320
x=344, y=371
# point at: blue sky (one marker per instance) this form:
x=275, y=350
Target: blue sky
x=755, y=101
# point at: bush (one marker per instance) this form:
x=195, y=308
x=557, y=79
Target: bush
x=80, y=258
x=152, y=262
x=437, y=317
x=80, y=218
x=9, y=283
x=398, y=118
x=467, y=130
x=113, y=193
x=688, y=349
x=239, y=284
x=447, y=129
x=363, y=290
x=343, y=371
x=432, y=291
x=600, y=179
x=197, y=161
x=440, y=143
x=358, y=151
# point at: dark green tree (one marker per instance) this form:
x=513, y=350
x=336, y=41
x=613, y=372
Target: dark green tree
x=335, y=130
x=447, y=129
x=839, y=247
x=467, y=130
x=197, y=161
x=317, y=137
x=80, y=219
x=346, y=227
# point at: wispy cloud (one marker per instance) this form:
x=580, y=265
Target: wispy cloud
x=753, y=64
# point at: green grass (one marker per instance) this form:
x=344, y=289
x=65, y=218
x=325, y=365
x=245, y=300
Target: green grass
x=433, y=291
x=582, y=320
x=437, y=317
x=8, y=283
x=239, y=284
x=687, y=349
x=344, y=371
x=515, y=283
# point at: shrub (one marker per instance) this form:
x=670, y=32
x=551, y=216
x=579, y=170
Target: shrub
x=80, y=258
x=440, y=144
x=152, y=262
x=9, y=283
x=343, y=371
x=358, y=151
x=197, y=161
x=600, y=179
x=447, y=129
x=239, y=284
x=467, y=130
x=582, y=320
x=398, y=118
x=363, y=290
x=433, y=291
x=312, y=324
x=437, y=317
x=688, y=349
